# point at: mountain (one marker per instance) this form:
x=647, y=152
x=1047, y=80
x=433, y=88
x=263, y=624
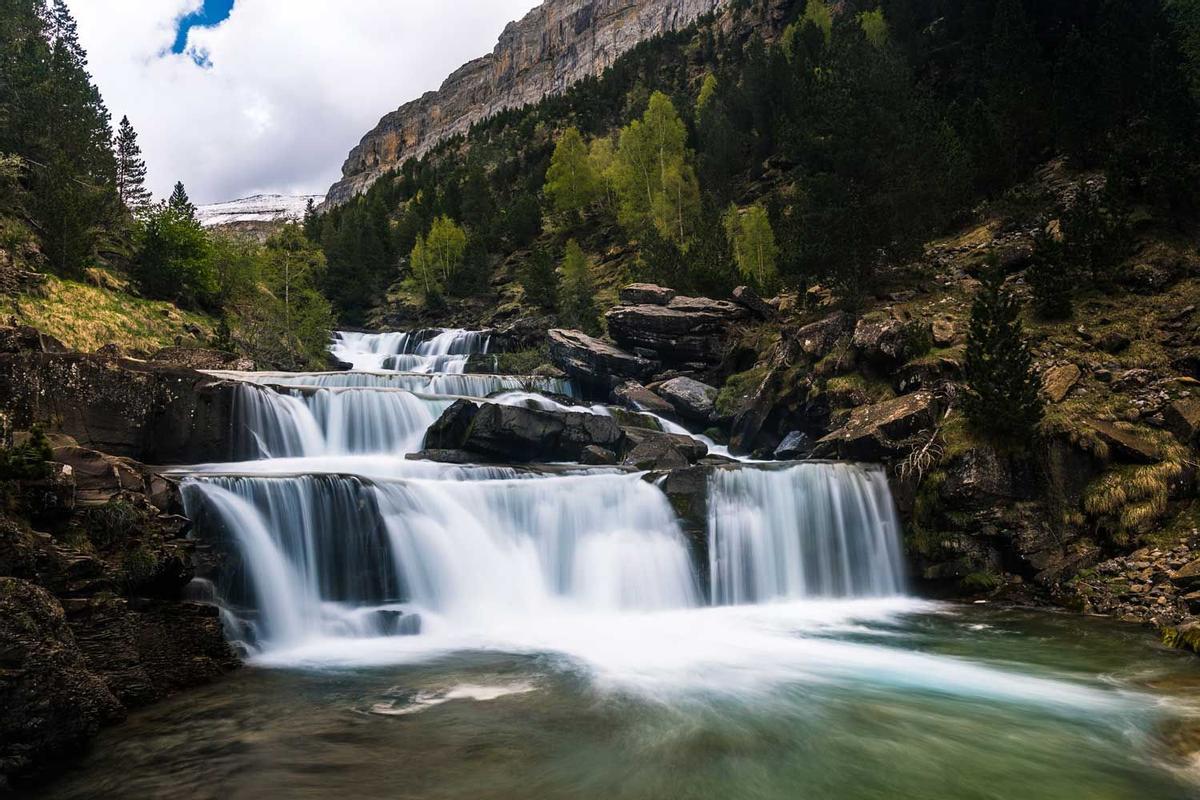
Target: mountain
x=257, y=208
x=554, y=46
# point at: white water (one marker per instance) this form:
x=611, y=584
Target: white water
x=342, y=546
x=423, y=352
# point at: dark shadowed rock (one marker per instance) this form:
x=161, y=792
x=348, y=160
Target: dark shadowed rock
x=817, y=338
x=443, y=456
x=691, y=449
x=635, y=397
x=24, y=339
x=881, y=340
x=689, y=330
x=202, y=358
x=691, y=398
x=1126, y=445
x=747, y=297
x=512, y=434
x=877, y=431
x=450, y=430
x=598, y=456
x=595, y=364
x=646, y=293
x=1183, y=419
x=657, y=454
x=794, y=447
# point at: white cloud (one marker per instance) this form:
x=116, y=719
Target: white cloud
x=292, y=86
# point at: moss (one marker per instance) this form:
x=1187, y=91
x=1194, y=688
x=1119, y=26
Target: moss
x=982, y=582
x=521, y=362
x=923, y=536
x=85, y=317
x=111, y=524
x=138, y=566
x=872, y=390
x=1182, y=638
x=738, y=389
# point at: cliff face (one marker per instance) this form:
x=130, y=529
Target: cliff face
x=554, y=46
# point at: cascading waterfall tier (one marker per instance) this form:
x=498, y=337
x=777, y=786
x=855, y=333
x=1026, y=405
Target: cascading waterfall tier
x=468, y=385
x=807, y=531
x=444, y=351
x=333, y=556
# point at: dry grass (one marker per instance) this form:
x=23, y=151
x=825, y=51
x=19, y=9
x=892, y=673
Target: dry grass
x=85, y=317
x=1133, y=499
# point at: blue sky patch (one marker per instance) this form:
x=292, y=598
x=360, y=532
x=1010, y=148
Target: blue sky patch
x=211, y=14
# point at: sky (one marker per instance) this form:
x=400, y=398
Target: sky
x=240, y=97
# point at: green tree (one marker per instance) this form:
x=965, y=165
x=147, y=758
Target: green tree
x=539, y=280
x=180, y=202
x=131, y=170
x=172, y=258
x=437, y=256
x=754, y=249
x=571, y=182
x=1002, y=400
x=577, y=294
x=1051, y=276
x=653, y=174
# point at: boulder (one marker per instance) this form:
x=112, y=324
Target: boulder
x=878, y=431
x=597, y=365
x=24, y=339
x=686, y=331
x=1126, y=445
x=598, y=456
x=1183, y=420
x=691, y=398
x=513, y=434
x=1058, y=381
x=944, y=331
x=881, y=340
x=657, y=454
x=747, y=297
x=50, y=702
x=635, y=397
x=794, y=447
x=646, y=294
x=691, y=449
x=1187, y=576
x=818, y=338
x=201, y=358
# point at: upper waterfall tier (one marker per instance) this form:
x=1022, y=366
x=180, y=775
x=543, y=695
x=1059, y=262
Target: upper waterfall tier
x=443, y=351
x=430, y=384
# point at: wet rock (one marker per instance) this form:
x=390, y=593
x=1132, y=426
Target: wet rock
x=874, y=432
x=50, y=703
x=598, y=456
x=658, y=454
x=794, y=447
x=818, y=338
x=1057, y=382
x=444, y=456
x=747, y=297
x=635, y=397
x=512, y=434
x=686, y=331
x=646, y=294
x=691, y=449
x=1183, y=419
x=396, y=623
x=596, y=364
x=450, y=430
x=1126, y=445
x=691, y=398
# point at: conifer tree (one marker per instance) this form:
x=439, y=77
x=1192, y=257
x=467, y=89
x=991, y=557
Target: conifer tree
x=180, y=202
x=131, y=170
x=1002, y=400
x=577, y=294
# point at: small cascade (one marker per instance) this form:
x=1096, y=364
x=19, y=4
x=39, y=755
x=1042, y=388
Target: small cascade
x=807, y=531
x=466, y=385
x=444, y=351
x=333, y=556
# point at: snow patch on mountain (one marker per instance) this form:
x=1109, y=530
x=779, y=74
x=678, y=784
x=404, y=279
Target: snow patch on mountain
x=259, y=208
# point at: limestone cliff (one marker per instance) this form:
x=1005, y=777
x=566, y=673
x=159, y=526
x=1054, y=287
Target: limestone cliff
x=557, y=44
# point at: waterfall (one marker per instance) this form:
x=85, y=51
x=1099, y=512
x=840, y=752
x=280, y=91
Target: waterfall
x=424, y=351
x=326, y=555
x=808, y=531
x=467, y=385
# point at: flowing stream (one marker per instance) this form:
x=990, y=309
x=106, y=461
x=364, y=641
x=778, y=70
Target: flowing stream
x=421, y=630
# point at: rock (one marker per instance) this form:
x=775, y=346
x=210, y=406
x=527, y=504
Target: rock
x=596, y=364
x=691, y=449
x=647, y=294
x=818, y=338
x=691, y=398
x=200, y=358
x=512, y=434
x=658, y=454
x=99, y=477
x=881, y=340
x=1183, y=420
x=51, y=704
x=689, y=331
x=1187, y=576
x=747, y=297
x=111, y=351
x=878, y=431
x=635, y=397
x=1113, y=342
x=444, y=456
x=149, y=412
x=945, y=332
x=1057, y=382
x=598, y=456
x=977, y=479
x=552, y=47
x=24, y=339
x=794, y=447
x=1126, y=445
x=397, y=623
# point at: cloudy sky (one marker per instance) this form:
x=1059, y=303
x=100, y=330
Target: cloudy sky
x=237, y=97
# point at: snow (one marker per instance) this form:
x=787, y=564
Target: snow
x=259, y=208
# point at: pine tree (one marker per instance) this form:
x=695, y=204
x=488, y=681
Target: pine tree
x=1002, y=400
x=180, y=202
x=312, y=221
x=577, y=294
x=131, y=170
x=1051, y=276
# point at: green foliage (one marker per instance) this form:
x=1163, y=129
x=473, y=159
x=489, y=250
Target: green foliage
x=1051, y=277
x=1002, y=402
x=112, y=524
x=180, y=203
x=572, y=183
x=754, y=248
x=131, y=170
x=172, y=258
x=539, y=280
x=437, y=257
x=576, y=293
x=29, y=461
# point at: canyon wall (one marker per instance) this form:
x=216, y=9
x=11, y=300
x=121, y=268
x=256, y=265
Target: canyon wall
x=557, y=44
